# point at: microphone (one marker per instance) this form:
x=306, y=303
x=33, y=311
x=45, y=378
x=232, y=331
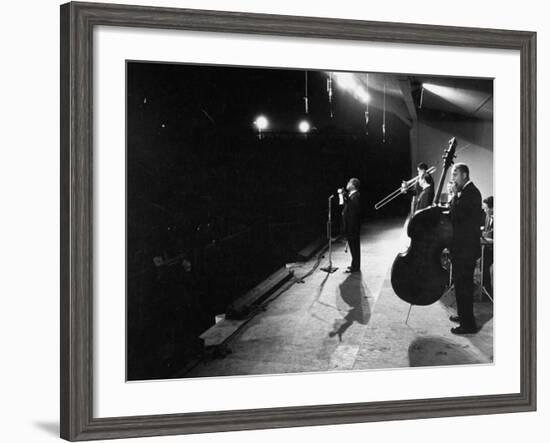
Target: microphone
x=341, y=196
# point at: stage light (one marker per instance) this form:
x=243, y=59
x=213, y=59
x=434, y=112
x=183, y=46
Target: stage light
x=434, y=88
x=362, y=95
x=465, y=99
x=261, y=123
x=446, y=92
x=346, y=81
x=304, y=126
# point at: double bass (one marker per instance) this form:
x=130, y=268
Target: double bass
x=417, y=275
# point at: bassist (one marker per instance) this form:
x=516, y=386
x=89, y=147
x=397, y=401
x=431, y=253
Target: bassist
x=465, y=208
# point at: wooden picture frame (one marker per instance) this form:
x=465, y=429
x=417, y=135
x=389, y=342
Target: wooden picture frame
x=77, y=23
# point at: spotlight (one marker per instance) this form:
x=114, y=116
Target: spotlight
x=346, y=81
x=437, y=89
x=261, y=123
x=362, y=95
x=429, y=86
x=304, y=126
x=459, y=97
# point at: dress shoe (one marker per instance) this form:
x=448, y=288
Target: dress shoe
x=459, y=330
x=455, y=318
x=351, y=270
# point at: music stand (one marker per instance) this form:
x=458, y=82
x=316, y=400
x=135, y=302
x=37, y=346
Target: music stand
x=482, y=289
x=482, y=269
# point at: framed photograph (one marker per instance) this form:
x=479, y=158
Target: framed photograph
x=272, y=221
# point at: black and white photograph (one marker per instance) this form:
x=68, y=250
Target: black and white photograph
x=237, y=222
x=295, y=221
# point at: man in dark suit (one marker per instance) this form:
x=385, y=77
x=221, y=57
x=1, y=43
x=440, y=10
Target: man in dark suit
x=465, y=208
x=426, y=196
x=351, y=223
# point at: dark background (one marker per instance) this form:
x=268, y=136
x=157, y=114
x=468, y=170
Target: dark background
x=204, y=189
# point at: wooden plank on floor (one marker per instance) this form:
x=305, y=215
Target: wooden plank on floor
x=242, y=305
x=220, y=332
x=310, y=250
x=240, y=308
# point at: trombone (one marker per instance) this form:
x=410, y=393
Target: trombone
x=408, y=185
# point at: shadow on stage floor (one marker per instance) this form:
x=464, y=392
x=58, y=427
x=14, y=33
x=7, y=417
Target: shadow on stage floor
x=355, y=321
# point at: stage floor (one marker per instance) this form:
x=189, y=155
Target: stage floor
x=354, y=321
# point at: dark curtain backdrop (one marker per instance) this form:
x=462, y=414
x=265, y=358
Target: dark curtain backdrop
x=212, y=209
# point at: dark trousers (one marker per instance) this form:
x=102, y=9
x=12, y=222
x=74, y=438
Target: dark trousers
x=355, y=250
x=463, y=277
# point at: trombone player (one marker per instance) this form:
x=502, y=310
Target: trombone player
x=426, y=196
x=416, y=191
x=422, y=171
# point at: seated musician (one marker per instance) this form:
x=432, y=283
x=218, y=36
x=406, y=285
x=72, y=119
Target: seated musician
x=426, y=196
x=487, y=240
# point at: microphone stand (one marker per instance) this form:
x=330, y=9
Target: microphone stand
x=330, y=269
